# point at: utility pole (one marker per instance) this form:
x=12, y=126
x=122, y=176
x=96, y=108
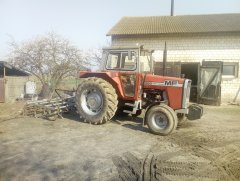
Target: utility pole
x=165, y=46
x=172, y=7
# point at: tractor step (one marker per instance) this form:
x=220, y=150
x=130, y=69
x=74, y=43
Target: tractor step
x=135, y=106
x=127, y=111
x=130, y=104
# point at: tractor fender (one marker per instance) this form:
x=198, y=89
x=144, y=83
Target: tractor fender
x=111, y=77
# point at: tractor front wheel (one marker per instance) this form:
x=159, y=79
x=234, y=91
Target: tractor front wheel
x=161, y=119
x=96, y=100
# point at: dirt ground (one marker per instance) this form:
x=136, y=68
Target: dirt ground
x=67, y=149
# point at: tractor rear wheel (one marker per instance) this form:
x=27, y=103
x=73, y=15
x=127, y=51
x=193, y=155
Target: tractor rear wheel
x=161, y=119
x=96, y=100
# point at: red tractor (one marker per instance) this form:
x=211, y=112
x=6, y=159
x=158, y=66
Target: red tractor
x=127, y=85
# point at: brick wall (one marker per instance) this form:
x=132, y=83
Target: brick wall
x=193, y=48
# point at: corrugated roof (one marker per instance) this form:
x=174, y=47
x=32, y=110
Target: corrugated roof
x=10, y=70
x=177, y=24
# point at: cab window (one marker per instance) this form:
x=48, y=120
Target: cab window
x=120, y=60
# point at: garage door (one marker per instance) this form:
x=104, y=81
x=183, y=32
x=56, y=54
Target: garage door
x=2, y=91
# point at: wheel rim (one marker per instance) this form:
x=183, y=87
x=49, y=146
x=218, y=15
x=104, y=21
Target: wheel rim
x=92, y=101
x=159, y=120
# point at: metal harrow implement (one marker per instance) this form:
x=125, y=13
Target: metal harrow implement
x=50, y=109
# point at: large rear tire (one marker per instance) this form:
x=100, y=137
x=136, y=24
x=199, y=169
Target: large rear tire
x=96, y=100
x=161, y=119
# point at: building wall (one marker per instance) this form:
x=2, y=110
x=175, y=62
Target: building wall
x=193, y=48
x=14, y=87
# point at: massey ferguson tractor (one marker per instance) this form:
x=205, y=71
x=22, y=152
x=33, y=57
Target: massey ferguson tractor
x=127, y=85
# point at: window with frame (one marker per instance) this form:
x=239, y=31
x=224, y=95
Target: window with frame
x=230, y=70
x=120, y=60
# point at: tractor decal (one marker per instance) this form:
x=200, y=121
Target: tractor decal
x=166, y=83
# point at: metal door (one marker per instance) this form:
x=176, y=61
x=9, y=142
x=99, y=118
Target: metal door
x=210, y=82
x=2, y=91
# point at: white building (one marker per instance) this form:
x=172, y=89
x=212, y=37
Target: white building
x=190, y=39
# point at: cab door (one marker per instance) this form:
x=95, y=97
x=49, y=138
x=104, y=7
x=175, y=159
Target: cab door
x=128, y=75
x=131, y=84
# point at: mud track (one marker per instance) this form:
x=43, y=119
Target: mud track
x=209, y=152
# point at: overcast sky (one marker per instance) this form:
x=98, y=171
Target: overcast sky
x=86, y=23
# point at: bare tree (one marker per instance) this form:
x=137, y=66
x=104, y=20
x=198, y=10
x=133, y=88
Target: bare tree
x=95, y=57
x=50, y=58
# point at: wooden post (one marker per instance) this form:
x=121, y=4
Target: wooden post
x=4, y=71
x=2, y=86
x=235, y=98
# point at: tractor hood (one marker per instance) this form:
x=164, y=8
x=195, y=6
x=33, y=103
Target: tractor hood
x=164, y=81
x=177, y=89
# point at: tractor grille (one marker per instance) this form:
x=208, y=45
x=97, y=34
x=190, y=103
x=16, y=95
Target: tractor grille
x=186, y=93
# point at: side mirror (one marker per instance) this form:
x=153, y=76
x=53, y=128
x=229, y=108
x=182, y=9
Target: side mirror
x=129, y=55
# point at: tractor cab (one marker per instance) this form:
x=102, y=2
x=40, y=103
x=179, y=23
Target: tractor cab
x=128, y=59
x=131, y=64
